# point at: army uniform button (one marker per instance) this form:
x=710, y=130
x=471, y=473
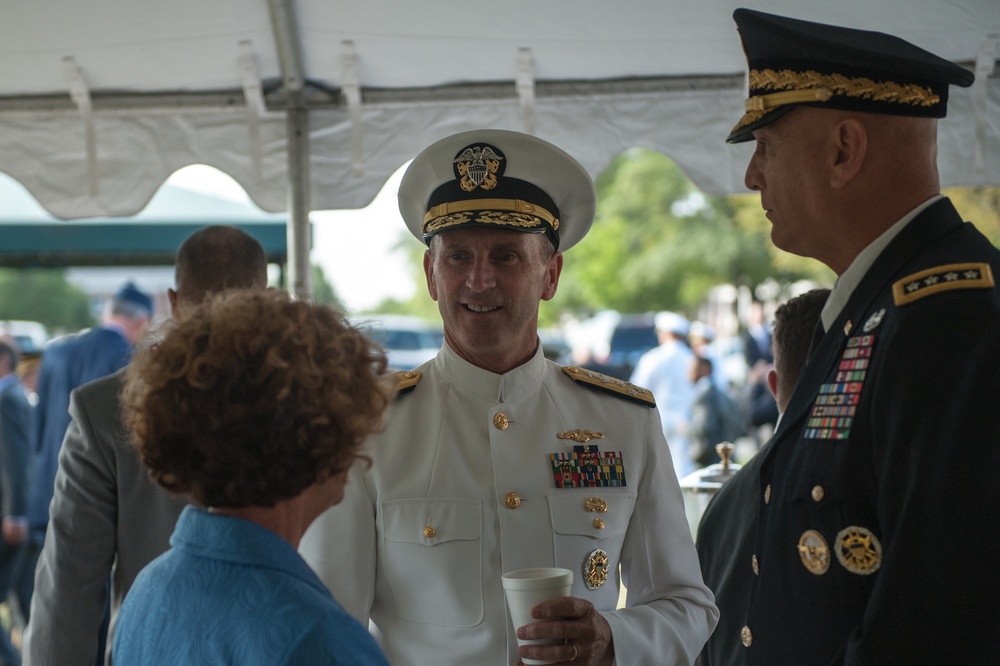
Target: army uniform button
x=755, y=565
x=817, y=493
x=598, y=523
x=500, y=421
x=767, y=494
x=746, y=636
x=512, y=500
x=429, y=531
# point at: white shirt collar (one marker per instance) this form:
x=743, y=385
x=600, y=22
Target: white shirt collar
x=486, y=385
x=848, y=281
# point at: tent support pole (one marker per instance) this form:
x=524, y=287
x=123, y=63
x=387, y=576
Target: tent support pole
x=297, y=126
x=297, y=140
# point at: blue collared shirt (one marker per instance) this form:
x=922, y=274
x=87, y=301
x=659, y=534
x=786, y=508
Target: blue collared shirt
x=232, y=592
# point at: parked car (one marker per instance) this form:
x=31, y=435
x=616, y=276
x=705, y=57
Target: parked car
x=30, y=336
x=407, y=341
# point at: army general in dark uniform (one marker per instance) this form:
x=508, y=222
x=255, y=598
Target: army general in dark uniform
x=877, y=533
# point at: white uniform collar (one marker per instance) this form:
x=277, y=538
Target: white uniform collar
x=486, y=385
x=848, y=281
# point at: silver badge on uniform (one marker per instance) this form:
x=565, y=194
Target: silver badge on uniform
x=874, y=321
x=595, y=569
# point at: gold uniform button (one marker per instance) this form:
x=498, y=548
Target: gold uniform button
x=598, y=523
x=500, y=421
x=429, y=532
x=755, y=565
x=767, y=494
x=512, y=500
x=817, y=493
x=746, y=636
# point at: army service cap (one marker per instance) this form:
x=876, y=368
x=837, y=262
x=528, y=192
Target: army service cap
x=497, y=179
x=795, y=62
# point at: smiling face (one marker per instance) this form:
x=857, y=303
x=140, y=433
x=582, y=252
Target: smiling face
x=789, y=168
x=488, y=284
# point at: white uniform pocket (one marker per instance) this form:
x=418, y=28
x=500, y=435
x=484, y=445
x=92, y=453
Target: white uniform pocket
x=432, y=556
x=579, y=532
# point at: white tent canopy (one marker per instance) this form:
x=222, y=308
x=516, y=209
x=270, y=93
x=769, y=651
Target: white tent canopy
x=100, y=101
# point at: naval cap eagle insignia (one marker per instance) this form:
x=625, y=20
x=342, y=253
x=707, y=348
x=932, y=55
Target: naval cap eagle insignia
x=478, y=166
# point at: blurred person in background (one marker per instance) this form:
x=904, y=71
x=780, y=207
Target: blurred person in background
x=715, y=417
x=665, y=371
x=68, y=363
x=15, y=456
x=701, y=338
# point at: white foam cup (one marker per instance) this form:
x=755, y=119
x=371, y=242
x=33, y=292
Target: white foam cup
x=527, y=587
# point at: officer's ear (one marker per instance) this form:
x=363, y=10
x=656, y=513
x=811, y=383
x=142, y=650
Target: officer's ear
x=429, y=274
x=851, y=142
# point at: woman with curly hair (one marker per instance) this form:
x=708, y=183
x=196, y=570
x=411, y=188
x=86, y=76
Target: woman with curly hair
x=253, y=407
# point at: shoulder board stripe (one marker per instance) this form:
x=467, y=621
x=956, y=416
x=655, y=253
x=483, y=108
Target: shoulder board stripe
x=942, y=278
x=612, y=385
x=406, y=381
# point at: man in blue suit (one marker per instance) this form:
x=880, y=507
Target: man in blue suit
x=15, y=451
x=67, y=364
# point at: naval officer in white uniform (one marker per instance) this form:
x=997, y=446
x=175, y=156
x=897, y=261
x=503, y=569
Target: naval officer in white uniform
x=495, y=459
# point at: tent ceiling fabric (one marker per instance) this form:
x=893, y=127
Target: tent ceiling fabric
x=101, y=101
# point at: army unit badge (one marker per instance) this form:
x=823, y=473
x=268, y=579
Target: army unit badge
x=858, y=550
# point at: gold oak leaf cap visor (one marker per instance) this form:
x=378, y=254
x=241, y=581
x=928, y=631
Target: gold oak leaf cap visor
x=795, y=62
x=497, y=179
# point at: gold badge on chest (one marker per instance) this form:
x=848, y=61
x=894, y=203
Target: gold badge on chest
x=858, y=550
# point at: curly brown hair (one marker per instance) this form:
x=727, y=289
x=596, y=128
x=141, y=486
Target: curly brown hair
x=252, y=397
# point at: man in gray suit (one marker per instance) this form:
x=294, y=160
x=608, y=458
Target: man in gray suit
x=107, y=517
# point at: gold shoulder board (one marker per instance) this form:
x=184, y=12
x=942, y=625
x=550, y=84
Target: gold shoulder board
x=941, y=278
x=406, y=380
x=610, y=384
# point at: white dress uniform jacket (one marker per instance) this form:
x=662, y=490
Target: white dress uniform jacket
x=666, y=371
x=462, y=489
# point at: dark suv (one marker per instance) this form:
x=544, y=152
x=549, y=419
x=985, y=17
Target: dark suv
x=633, y=336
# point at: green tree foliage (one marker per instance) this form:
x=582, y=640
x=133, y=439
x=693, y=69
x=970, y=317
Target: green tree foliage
x=323, y=292
x=43, y=295
x=981, y=206
x=657, y=243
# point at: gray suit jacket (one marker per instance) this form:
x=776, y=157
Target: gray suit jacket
x=107, y=518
